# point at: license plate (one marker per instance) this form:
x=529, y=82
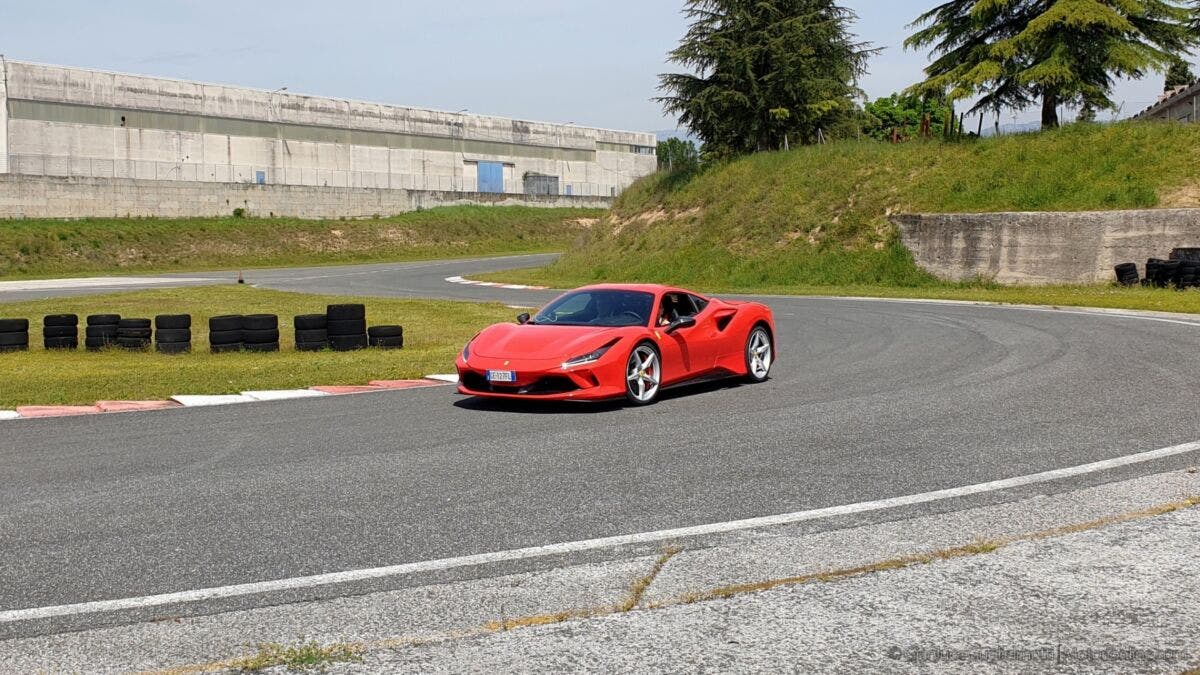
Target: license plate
x=501, y=376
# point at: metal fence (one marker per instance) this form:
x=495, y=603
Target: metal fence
x=51, y=165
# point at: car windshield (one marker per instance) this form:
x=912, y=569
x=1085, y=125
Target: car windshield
x=601, y=308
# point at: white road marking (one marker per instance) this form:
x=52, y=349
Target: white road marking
x=200, y=401
x=317, y=580
x=282, y=394
x=93, y=282
x=452, y=379
x=9, y=415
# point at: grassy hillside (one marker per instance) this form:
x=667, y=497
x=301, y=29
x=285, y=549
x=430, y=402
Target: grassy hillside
x=817, y=216
x=30, y=248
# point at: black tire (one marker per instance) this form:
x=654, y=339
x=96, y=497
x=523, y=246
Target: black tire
x=348, y=327
x=172, y=335
x=222, y=324
x=137, y=324
x=105, y=331
x=311, y=346
x=387, y=343
x=312, y=336
x=310, y=322
x=260, y=322
x=218, y=348
x=61, y=343
x=173, y=347
x=630, y=395
x=750, y=339
x=133, y=344
x=60, y=331
x=346, y=312
x=104, y=319
x=261, y=347
x=385, y=331
x=260, y=337
x=13, y=339
x=225, y=337
x=61, y=320
x=14, y=325
x=96, y=344
x=173, y=321
x=347, y=343
x=13, y=348
x=134, y=333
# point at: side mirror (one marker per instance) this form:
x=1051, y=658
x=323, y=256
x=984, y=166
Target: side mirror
x=681, y=323
x=523, y=319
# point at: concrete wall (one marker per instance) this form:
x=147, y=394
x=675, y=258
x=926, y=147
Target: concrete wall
x=75, y=122
x=1044, y=248
x=3, y=117
x=75, y=197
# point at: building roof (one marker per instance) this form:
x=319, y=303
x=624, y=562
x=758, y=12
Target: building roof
x=1170, y=98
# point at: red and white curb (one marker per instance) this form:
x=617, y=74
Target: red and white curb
x=493, y=284
x=206, y=400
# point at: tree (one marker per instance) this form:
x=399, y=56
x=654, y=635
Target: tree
x=764, y=73
x=1179, y=75
x=676, y=154
x=1012, y=53
x=904, y=113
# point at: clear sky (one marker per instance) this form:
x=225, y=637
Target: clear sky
x=591, y=62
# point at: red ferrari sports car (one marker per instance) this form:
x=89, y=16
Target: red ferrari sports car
x=608, y=341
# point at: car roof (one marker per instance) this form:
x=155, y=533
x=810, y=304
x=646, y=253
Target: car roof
x=644, y=288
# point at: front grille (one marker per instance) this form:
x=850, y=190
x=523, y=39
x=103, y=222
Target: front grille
x=551, y=384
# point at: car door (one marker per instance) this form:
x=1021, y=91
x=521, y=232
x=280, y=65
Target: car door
x=689, y=351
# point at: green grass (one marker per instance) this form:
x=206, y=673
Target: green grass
x=37, y=248
x=434, y=332
x=817, y=216
x=301, y=657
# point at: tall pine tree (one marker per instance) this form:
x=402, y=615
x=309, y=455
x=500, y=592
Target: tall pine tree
x=1011, y=53
x=763, y=72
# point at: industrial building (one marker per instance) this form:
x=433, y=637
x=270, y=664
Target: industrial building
x=71, y=122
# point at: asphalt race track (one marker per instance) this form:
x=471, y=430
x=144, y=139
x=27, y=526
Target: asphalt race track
x=870, y=400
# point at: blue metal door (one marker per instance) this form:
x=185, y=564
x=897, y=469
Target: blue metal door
x=491, y=177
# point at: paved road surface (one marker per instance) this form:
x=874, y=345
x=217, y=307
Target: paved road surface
x=871, y=400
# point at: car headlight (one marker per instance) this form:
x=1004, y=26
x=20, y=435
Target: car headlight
x=467, y=351
x=590, y=357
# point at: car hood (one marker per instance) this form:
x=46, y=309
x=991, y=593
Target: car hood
x=510, y=341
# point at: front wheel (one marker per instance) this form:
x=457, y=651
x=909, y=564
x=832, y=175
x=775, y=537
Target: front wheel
x=759, y=355
x=643, y=375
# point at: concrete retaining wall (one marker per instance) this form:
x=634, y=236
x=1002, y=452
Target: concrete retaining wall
x=57, y=197
x=1044, y=248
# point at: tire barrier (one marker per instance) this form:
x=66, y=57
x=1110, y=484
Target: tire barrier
x=346, y=326
x=311, y=332
x=14, y=335
x=1127, y=274
x=134, y=334
x=173, y=333
x=60, y=331
x=1186, y=254
x=101, y=331
x=386, y=337
x=225, y=333
x=260, y=333
x=341, y=328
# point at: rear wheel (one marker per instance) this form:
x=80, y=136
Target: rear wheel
x=643, y=375
x=759, y=355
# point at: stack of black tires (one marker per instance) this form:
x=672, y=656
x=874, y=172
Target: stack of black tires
x=134, y=334
x=260, y=333
x=173, y=333
x=101, y=331
x=346, y=326
x=1188, y=275
x=1127, y=274
x=14, y=335
x=311, y=332
x=386, y=337
x=60, y=331
x=225, y=333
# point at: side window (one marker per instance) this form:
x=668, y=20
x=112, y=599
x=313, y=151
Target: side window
x=699, y=302
x=676, y=305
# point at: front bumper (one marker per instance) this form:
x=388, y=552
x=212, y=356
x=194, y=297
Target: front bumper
x=543, y=381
